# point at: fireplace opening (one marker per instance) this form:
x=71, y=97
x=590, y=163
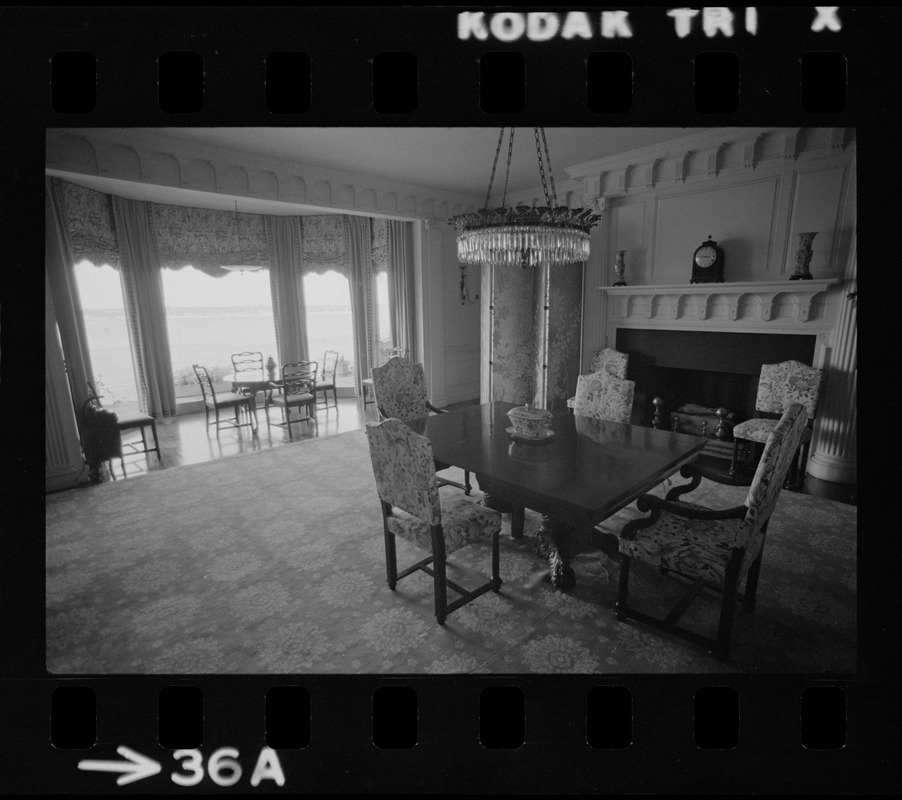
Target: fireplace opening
x=703, y=369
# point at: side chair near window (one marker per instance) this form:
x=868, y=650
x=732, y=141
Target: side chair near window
x=251, y=361
x=129, y=421
x=231, y=402
x=713, y=549
x=607, y=361
x=369, y=393
x=400, y=391
x=298, y=390
x=602, y=396
x=415, y=509
x=326, y=382
x=779, y=386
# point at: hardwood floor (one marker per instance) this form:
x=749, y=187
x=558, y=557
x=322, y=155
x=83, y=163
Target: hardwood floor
x=187, y=440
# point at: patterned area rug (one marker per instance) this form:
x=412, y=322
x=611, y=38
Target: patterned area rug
x=273, y=562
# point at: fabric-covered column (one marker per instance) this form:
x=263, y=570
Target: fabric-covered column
x=283, y=238
x=142, y=282
x=59, y=263
x=402, y=300
x=360, y=277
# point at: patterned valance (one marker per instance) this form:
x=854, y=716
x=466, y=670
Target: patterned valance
x=206, y=239
x=89, y=223
x=325, y=238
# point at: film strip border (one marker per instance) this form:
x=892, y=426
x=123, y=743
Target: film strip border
x=65, y=67
x=490, y=734
x=346, y=65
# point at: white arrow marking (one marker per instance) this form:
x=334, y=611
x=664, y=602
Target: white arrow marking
x=136, y=768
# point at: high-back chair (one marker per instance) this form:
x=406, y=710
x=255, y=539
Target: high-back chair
x=608, y=361
x=400, y=389
x=369, y=394
x=129, y=421
x=603, y=396
x=779, y=386
x=298, y=390
x=711, y=548
x=414, y=509
x=326, y=381
x=232, y=402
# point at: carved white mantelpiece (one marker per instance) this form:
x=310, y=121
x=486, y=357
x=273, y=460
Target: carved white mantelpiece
x=766, y=307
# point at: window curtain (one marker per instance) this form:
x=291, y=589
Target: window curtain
x=360, y=276
x=59, y=263
x=402, y=297
x=142, y=281
x=283, y=238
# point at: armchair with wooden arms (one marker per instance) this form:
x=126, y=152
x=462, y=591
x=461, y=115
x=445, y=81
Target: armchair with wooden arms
x=400, y=390
x=414, y=509
x=710, y=548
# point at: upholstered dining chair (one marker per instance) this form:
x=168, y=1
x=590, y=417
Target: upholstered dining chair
x=400, y=390
x=298, y=390
x=414, y=509
x=711, y=548
x=130, y=421
x=326, y=381
x=251, y=361
x=369, y=393
x=779, y=386
x=233, y=402
x=610, y=361
x=603, y=396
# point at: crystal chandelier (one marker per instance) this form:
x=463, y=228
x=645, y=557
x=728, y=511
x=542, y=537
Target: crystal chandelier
x=524, y=235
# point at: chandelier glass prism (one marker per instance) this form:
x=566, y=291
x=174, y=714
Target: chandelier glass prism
x=522, y=235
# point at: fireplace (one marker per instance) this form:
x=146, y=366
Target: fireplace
x=710, y=369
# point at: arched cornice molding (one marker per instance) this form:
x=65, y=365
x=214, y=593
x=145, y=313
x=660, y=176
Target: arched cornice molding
x=141, y=157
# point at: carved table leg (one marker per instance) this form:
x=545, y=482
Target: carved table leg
x=551, y=543
x=497, y=503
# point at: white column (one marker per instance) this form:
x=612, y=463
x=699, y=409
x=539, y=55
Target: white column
x=833, y=447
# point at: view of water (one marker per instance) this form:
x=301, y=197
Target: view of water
x=207, y=336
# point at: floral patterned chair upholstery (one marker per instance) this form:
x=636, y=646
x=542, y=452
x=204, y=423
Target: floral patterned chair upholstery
x=603, y=396
x=400, y=389
x=610, y=361
x=714, y=549
x=413, y=508
x=779, y=386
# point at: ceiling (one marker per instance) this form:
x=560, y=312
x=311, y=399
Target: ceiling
x=453, y=159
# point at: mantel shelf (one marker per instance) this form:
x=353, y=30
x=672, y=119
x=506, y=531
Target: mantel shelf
x=810, y=287
x=738, y=303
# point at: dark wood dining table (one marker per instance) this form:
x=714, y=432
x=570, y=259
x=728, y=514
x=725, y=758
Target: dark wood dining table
x=589, y=470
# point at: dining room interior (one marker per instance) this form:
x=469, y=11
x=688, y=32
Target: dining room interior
x=246, y=289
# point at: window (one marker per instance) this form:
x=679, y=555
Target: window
x=210, y=318
x=330, y=325
x=106, y=329
x=383, y=320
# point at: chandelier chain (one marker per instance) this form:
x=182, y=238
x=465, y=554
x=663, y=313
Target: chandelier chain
x=507, y=172
x=488, y=194
x=553, y=202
